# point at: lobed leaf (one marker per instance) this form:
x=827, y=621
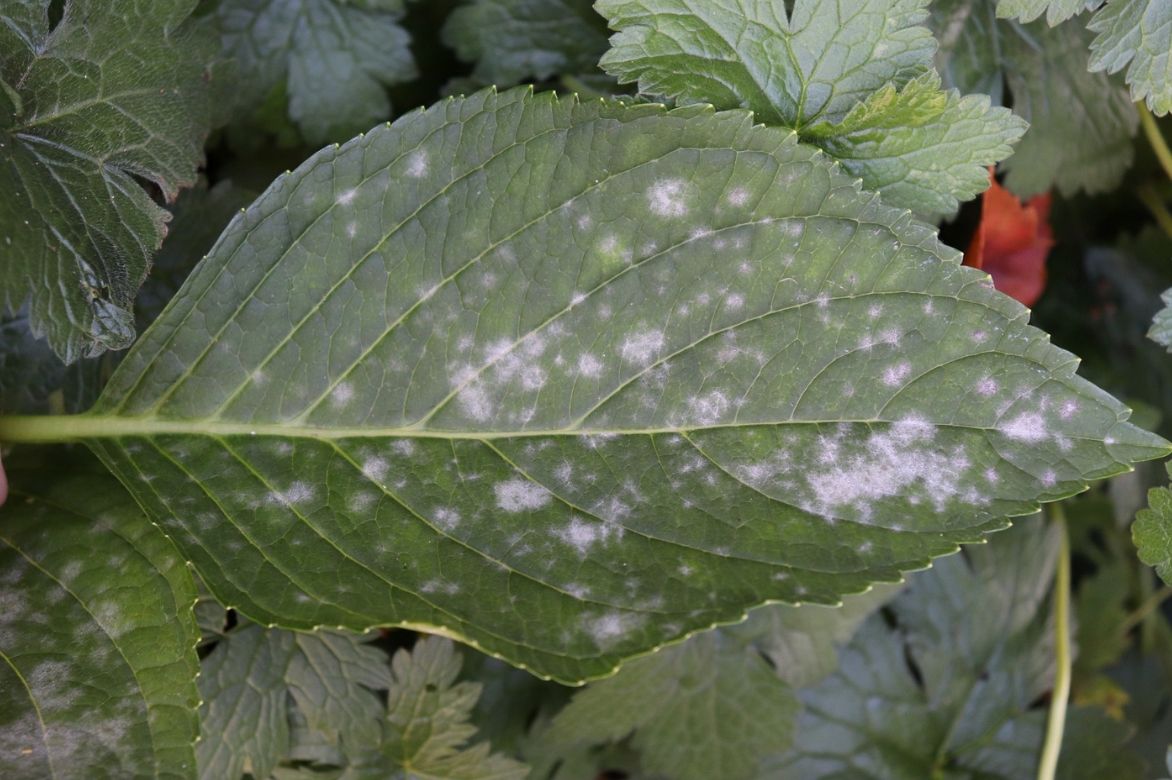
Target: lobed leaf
x=96, y=632
x=1152, y=531
x=113, y=93
x=569, y=381
x=852, y=77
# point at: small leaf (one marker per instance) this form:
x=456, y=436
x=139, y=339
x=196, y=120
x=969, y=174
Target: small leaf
x=698, y=371
x=956, y=682
x=1152, y=531
x=246, y=685
x=852, y=77
x=513, y=40
x=1055, y=10
x=1161, y=330
x=96, y=631
x=334, y=59
x=1012, y=241
x=109, y=95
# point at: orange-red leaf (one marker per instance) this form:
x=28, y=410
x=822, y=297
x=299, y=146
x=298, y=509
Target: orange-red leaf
x=1012, y=242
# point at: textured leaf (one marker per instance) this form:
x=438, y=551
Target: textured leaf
x=1055, y=10
x=1081, y=124
x=1011, y=243
x=333, y=58
x=1152, y=531
x=1161, y=330
x=252, y=676
x=96, y=632
x=696, y=369
x=852, y=77
x=114, y=92
x=513, y=40
x=979, y=636
x=427, y=727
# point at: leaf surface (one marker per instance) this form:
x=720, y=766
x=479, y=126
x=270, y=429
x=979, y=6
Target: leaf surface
x=510, y=41
x=333, y=59
x=114, y=92
x=978, y=635
x=1152, y=531
x=694, y=370
x=1161, y=330
x=97, y=636
x=852, y=77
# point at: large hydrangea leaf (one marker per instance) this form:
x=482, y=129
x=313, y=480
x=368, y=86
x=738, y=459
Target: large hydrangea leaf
x=96, y=631
x=332, y=58
x=852, y=77
x=570, y=381
x=114, y=92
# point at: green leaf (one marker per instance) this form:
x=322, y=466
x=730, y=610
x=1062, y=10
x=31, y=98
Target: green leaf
x=1161, y=330
x=96, y=631
x=253, y=675
x=1082, y=124
x=1055, y=10
x=513, y=40
x=333, y=58
x=427, y=727
x=711, y=707
x=978, y=635
x=114, y=92
x=920, y=147
x=1152, y=531
x=697, y=369
x=852, y=77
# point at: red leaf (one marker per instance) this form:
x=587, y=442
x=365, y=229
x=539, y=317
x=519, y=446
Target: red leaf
x=1012, y=241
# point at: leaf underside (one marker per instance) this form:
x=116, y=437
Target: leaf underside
x=97, y=636
x=569, y=381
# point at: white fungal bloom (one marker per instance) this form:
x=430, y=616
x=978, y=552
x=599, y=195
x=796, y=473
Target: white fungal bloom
x=520, y=495
x=666, y=198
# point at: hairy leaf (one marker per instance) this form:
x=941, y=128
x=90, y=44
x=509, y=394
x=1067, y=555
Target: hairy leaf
x=332, y=58
x=1081, y=124
x=1152, y=531
x=852, y=77
x=114, y=92
x=979, y=636
x=1055, y=10
x=254, y=674
x=1161, y=330
x=513, y=40
x=694, y=370
x=96, y=631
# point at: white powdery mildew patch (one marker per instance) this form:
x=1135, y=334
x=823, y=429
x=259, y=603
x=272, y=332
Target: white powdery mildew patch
x=589, y=366
x=346, y=196
x=342, y=394
x=375, y=468
x=361, y=501
x=520, y=495
x=404, y=447
x=1029, y=427
x=297, y=493
x=710, y=408
x=583, y=534
x=893, y=376
x=475, y=402
x=642, y=347
x=889, y=464
x=608, y=628
x=418, y=164
x=446, y=517
x=987, y=386
x=738, y=196
x=666, y=198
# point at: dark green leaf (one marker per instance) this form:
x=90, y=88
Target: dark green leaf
x=1152, y=531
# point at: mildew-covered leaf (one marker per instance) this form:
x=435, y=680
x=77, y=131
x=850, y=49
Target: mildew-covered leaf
x=96, y=631
x=852, y=77
x=569, y=381
x=113, y=91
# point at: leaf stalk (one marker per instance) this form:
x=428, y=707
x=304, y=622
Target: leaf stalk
x=1060, y=695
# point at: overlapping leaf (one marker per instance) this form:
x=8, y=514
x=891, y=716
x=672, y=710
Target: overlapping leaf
x=114, y=92
x=96, y=632
x=1081, y=124
x=513, y=40
x=979, y=638
x=331, y=58
x=852, y=77
x=695, y=369
x=1152, y=531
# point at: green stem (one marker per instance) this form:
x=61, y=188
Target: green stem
x=1155, y=138
x=1148, y=607
x=1147, y=194
x=1060, y=695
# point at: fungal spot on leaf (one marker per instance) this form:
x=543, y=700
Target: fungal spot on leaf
x=643, y=347
x=1028, y=427
x=667, y=198
x=417, y=164
x=520, y=495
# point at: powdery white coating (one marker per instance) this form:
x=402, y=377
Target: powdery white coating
x=734, y=302
x=738, y=196
x=375, y=468
x=346, y=196
x=710, y=408
x=987, y=386
x=642, y=347
x=520, y=495
x=894, y=376
x=1029, y=427
x=418, y=164
x=1067, y=409
x=446, y=517
x=608, y=627
x=589, y=366
x=361, y=502
x=404, y=447
x=475, y=403
x=583, y=534
x=342, y=394
x=889, y=463
x=298, y=493
x=666, y=198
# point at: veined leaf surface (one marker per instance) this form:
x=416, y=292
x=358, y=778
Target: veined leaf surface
x=570, y=381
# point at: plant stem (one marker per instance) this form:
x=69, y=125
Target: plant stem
x=1060, y=695
x=1147, y=194
x=1155, y=138
x=1148, y=607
